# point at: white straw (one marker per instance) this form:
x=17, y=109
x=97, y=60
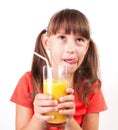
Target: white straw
x=42, y=58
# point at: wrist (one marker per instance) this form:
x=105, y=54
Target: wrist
x=68, y=121
x=37, y=119
x=72, y=124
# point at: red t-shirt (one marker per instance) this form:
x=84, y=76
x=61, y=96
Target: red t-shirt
x=23, y=89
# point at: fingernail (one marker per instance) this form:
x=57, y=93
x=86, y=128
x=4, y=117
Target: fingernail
x=55, y=102
x=61, y=99
x=59, y=106
x=50, y=97
x=56, y=109
x=52, y=117
x=61, y=111
x=67, y=120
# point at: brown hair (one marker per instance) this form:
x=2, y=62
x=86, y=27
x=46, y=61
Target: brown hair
x=74, y=21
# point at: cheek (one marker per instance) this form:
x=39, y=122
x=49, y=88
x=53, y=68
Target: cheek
x=56, y=50
x=56, y=55
x=81, y=55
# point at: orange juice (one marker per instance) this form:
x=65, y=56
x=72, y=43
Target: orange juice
x=56, y=88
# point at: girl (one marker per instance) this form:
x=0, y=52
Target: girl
x=68, y=39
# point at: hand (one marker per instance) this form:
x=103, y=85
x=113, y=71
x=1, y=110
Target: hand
x=43, y=103
x=67, y=105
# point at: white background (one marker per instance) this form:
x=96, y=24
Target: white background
x=20, y=23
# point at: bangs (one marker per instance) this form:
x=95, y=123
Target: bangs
x=71, y=21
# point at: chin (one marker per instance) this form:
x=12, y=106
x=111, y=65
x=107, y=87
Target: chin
x=71, y=69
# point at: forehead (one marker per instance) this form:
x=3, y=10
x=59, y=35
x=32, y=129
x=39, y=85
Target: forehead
x=64, y=27
x=69, y=26
x=62, y=31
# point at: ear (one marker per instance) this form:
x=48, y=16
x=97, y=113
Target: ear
x=44, y=39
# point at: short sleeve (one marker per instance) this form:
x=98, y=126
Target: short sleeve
x=97, y=102
x=21, y=94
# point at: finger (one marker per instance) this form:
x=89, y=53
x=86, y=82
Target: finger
x=43, y=96
x=67, y=105
x=67, y=98
x=68, y=112
x=70, y=90
x=44, y=103
x=43, y=110
x=43, y=117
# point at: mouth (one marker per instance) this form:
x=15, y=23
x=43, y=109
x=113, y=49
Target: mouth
x=71, y=61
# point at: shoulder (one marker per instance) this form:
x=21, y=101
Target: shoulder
x=97, y=101
x=27, y=75
x=25, y=82
x=25, y=78
x=21, y=94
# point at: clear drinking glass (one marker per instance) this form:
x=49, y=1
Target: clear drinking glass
x=55, y=82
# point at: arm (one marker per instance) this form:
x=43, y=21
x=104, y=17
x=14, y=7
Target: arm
x=68, y=103
x=25, y=120
x=72, y=125
x=90, y=122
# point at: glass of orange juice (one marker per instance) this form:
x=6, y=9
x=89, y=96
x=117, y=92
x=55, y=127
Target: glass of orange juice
x=55, y=82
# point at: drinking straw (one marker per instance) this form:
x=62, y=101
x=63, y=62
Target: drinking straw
x=42, y=58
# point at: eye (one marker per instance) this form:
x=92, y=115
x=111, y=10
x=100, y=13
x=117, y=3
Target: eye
x=80, y=41
x=62, y=37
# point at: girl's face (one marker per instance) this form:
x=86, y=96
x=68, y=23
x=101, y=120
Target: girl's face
x=67, y=49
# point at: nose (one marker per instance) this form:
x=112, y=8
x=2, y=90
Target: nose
x=71, y=47
x=70, y=51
